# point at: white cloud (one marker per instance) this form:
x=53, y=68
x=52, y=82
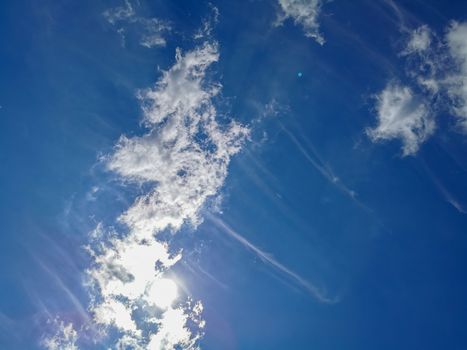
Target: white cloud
x=65, y=337
x=120, y=13
x=401, y=115
x=437, y=68
x=456, y=39
x=152, y=31
x=304, y=13
x=184, y=157
x=167, y=338
x=207, y=25
x=186, y=152
x=420, y=40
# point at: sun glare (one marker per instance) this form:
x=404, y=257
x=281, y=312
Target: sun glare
x=163, y=292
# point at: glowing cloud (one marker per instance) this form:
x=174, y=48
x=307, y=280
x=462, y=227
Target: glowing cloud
x=184, y=156
x=183, y=159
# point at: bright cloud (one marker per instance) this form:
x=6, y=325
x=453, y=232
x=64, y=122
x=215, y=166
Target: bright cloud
x=402, y=116
x=437, y=69
x=186, y=152
x=184, y=156
x=304, y=13
x=163, y=293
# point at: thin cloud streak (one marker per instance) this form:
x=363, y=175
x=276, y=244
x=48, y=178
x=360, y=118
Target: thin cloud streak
x=196, y=269
x=323, y=169
x=71, y=296
x=317, y=293
x=447, y=196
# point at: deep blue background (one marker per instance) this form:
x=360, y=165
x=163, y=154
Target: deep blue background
x=397, y=266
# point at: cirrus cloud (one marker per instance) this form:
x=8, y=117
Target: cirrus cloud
x=304, y=13
x=437, y=82
x=401, y=115
x=182, y=159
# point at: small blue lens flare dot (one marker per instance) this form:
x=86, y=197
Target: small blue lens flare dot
x=299, y=74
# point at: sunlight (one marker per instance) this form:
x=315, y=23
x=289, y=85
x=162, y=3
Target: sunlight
x=163, y=292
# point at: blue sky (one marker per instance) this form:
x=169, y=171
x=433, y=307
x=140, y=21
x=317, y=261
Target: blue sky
x=254, y=174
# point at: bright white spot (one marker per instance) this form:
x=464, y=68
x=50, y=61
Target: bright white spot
x=163, y=292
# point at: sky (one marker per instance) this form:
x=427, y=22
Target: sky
x=255, y=174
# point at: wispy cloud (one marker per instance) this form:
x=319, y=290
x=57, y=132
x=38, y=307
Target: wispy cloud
x=55, y=277
x=456, y=39
x=304, y=13
x=64, y=338
x=183, y=157
x=208, y=24
x=151, y=31
x=419, y=41
x=401, y=115
x=120, y=13
x=267, y=258
x=447, y=195
x=437, y=82
x=312, y=156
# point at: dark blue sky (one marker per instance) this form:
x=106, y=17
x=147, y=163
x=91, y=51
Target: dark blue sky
x=320, y=237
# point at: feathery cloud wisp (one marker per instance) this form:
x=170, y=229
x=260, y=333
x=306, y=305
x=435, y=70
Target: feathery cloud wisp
x=420, y=40
x=437, y=71
x=269, y=259
x=64, y=339
x=402, y=116
x=184, y=155
x=304, y=13
x=456, y=39
x=183, y=159
x=152, y=31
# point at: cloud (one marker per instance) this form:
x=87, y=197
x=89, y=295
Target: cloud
x=403, y=116
x=420, y=40
x=183, y=160
x=208, y=24
x=447, y=195
x=304, y=13
x=186, y=151
x=154, y=31
x=311, y=155
x=437, y=72
x=120, y=13
x=151, y=31
x=64, y=338
x=456, y=39
x=269, y=259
